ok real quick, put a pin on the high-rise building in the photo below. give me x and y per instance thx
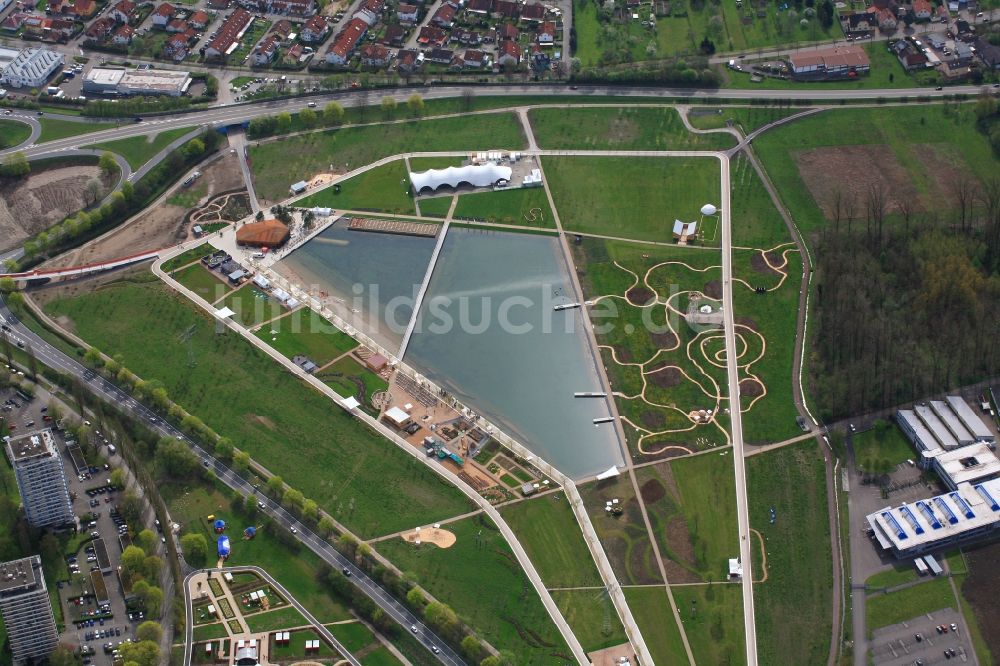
(41, 479)
(27, 611)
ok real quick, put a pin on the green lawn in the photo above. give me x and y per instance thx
(296, 570)
(53, 129)
(744, 118)
(900, 132)
(630, 197)
(425, 163)
(349, 378)
(691, 503)
(208, 284)
(625, 128)
(882, 610)
(548, 530)
(773, 315)
(592, 617)
(713, 621)
(379, 657)
(793, 605)
(305, 332)
(186, 257)
(383, 189)
(436, 206)
(756, 221)
(360, 478)
(480, 579)
(282, 618)
(13, 133)
(138, 150)
(880, 449)
(187, 197)
(351, 147)
(354, 636)
(526, 206)
(651, 609)
(296, 648)
(252, 305)
(207, 632)
(901, 572)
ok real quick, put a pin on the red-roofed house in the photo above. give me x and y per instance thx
(177, 25)
(176, 47)
(431, 36)
(266, 50)
(83, 9)
(510, 54)
(315, 30)
(444, 16)
(123, 35)
(394, 35)
(101, 28)
(123, 11)
(922, 10)
(474, 58)
(163, 14)
(508, 32)
(407, 13)
(340, 50)
(406, 61)
(481, 7)
(504, 9)
(547, 33)
(371, 11)
(229, 34)
(375, 55)
(533, 12)
(199, 19)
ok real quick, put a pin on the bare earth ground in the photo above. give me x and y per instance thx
(42, 199)
(865, 164)
(161, 225)
(982, 589)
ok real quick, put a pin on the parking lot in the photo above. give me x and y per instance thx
(88, 622)
(923, 641)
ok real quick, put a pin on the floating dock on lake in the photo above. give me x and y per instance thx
(399, 227)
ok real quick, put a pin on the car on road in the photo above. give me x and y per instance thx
(347, 572)
(294, 531)
(413, 628)
(435, 649)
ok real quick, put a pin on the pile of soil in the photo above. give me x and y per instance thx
(652, 419)
(750, 388)
(42, 199)
(652, 491)
(665, 340)
(759, 265)
(749, 322)
(713, 290)
(639, 295)
(623, 354)
(982, 589)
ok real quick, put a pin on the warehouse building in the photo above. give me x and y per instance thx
(27, 610)
(31, 68)
(943, 425)
(969, 464)
(147, 82)
(968, 513)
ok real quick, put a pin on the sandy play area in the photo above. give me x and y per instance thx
(441, 538)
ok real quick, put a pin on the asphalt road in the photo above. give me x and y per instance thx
(105, 390)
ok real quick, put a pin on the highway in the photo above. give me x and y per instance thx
(110, 393)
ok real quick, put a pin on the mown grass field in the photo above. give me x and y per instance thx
(361, 479)
(548, 530)
(350, 147)
(650, 607)
(793, 605)
(305, 332)
(882, 610)
(691, 503)
(138, 150)
(526, 206)
(252, 305)
(210, 285)
(190, 505)
(630, 197)
(623, 128)
(592, 617)
(13, 133)
(756, 222)
(282, 618)
(53, 129)
(481, 580)
(349, 378)
(383, 189)
(901, 572)
(880, 449)
(909, 134)
(712, 616)
(436, 206)
(744, 118)
(188, 256)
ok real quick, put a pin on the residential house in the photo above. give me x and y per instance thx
(177, 25)
(480, 7)
(540, 60)
(964, 53)
(282, 29)
(229, 34)
(490, 37)
(176, 47)
(547, 33)
(474, 58)
(375, 55)
(199, 20)
(830, 63)
(264, 53)
(406, 61)
(922, 10)
(163, 14)
(371, 11)
(440, 56)
(510, 54)
(407, 13)
(444, 16)
(123, 35)
(101, 28)
(343, 45)
(394, 35)
(508, 32)
(504, 9)
(314, 30)
(15, 20)
(457, 63)
(466, 37)
(909, 56)
(858, 24)
(123, 11)
(82, 9)
(289, 7)
(884, 17)
(293, 54)
(988, 53)
(431, 36)
(533, 13)
(942, 13)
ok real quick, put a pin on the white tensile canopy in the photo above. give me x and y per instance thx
(480, 175)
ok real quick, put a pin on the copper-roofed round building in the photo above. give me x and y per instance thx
(266, 233)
